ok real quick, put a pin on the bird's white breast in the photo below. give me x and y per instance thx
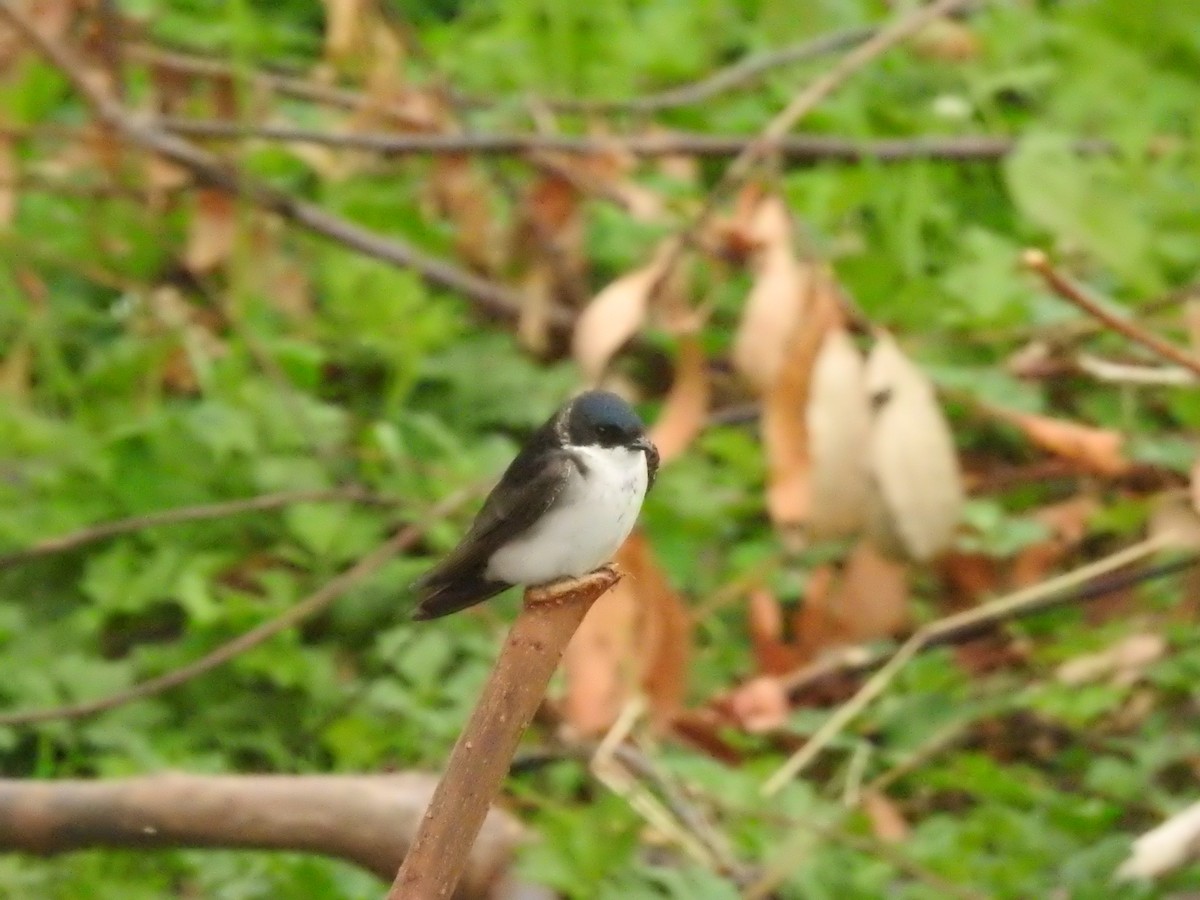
(591, 520)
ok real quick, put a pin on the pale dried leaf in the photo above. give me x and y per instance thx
(686, 407)
(1172, 844)
(211, 231)
(1124, 662)
(839, 421)
(871, 599)
(16, 370)
(776, 300)
(760, 705)
(887, 822)
(462, 197)
(1174, 518)
(785, 416)
(615, 315)
(947, 40)
(344, 20)
(1094, 449)
(917, 492)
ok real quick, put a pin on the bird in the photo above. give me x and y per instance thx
(562, 508)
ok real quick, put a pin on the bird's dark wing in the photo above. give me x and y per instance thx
(527, 491)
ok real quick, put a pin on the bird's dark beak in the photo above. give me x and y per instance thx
(647, 446)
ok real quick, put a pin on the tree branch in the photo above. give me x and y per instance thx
(307, 608)
(490, 297)
(1037, 261)
(484, 750)
(200, 512)
(369, 820)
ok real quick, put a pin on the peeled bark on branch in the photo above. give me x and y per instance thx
(369, 820)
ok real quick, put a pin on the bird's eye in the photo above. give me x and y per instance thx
(608, 432)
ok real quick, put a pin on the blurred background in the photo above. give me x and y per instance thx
(283, 286)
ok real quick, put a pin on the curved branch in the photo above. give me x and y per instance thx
(305, 609)
(369, 820)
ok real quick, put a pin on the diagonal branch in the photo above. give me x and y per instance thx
(490, 297)
(307, 608)
(197, 513)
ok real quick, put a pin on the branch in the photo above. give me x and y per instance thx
(481, 757)
(200, 512)
(369, 820)
(307, 608)
(1037, 261)
(1002, 608)
(794, 148)
(490, 297)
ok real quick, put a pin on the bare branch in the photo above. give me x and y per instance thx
(490, 297)
(369, 820)
(200, 512)
(1037, 261)
(485, 748)
(307, 608)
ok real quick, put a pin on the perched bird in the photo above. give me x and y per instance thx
(561, 509)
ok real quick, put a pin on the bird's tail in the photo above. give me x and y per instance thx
(436, 598)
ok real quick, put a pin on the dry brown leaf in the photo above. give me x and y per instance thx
(760, 705)
(776, 300)
(839, 422)
(1123, 663)
(636, 636)
(686, 407)
(887, 822)
(598, 662)
(9, 173)
(616, 314)
(1096, 450)
(1195, 486)
(917, 492)
(764, 620)
(547, 245)
(785, 417)
(866, 600)
(664, 630)
(16, 370)
(344, 21)
(211, 231)
(947, 40)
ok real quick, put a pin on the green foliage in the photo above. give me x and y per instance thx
(387, 384)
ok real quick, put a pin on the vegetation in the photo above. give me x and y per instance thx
(166, 346)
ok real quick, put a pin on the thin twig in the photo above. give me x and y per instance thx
(200, 512)
(794, 148)
(800, 106)
(972, 618)
(488, 296)
(1037, 261)
(307, 608)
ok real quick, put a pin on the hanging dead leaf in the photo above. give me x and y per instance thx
(211, 231)
(785, 406)
(1096, 450)
(1175, 520)
(616, 314)
(864, 601)
(686, 407)
(637, 636)
(9, 174)
(344, 28)
(760, 705)
(887, 822)
(664, 630)
(839, 422)
(775, 301)
(917, 494)
(598, 662)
